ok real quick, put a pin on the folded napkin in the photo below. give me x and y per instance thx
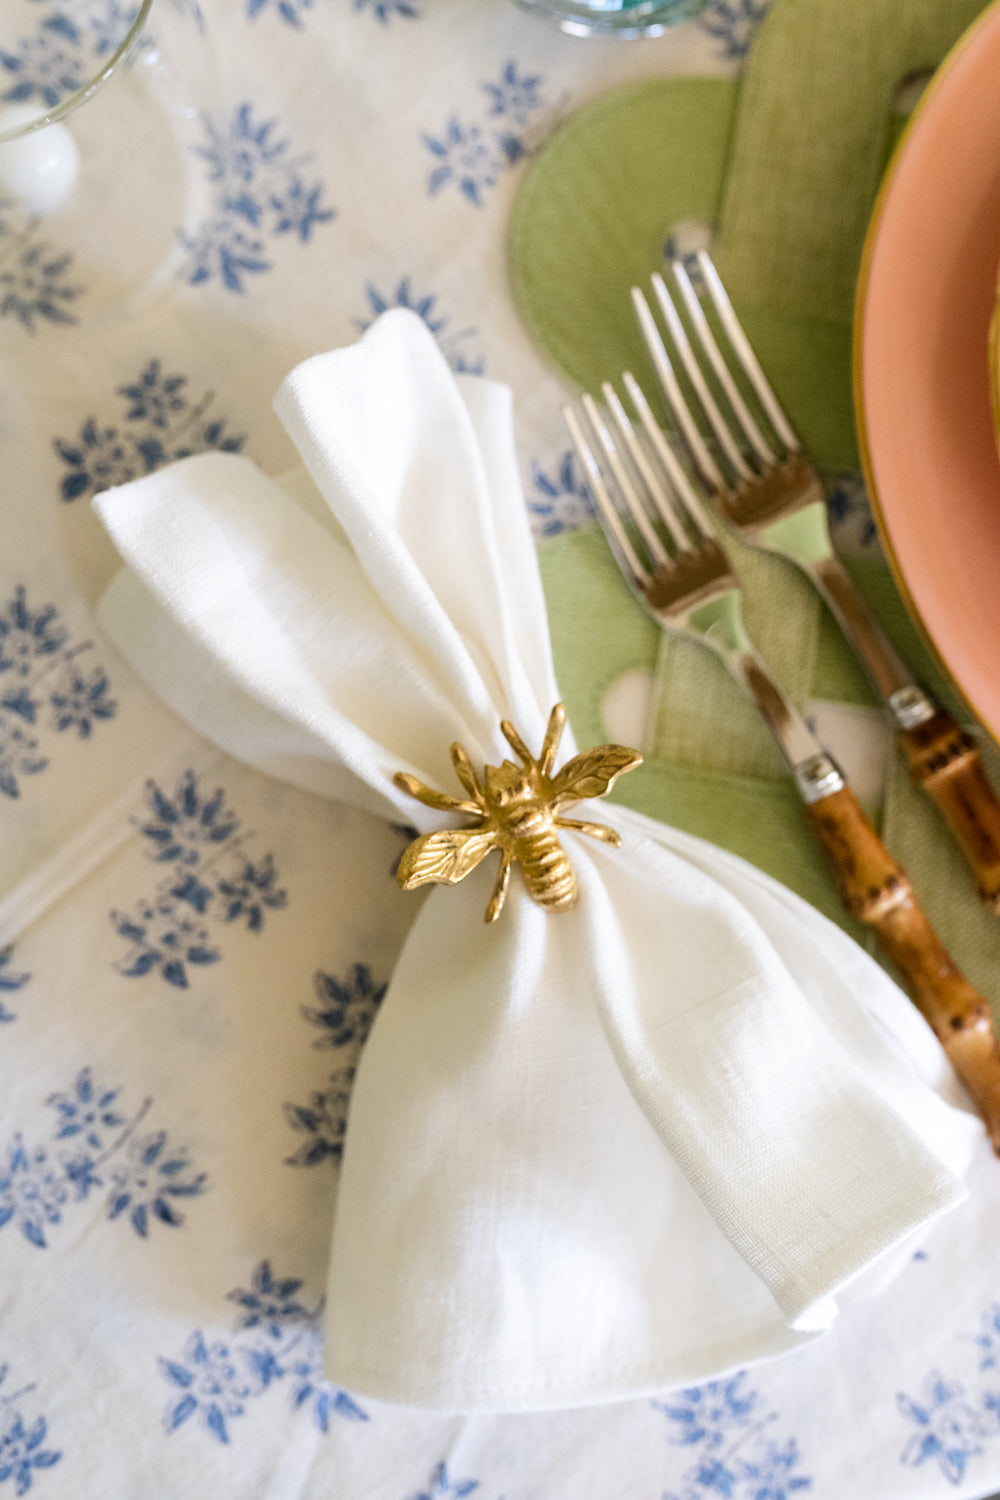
(591, 1154)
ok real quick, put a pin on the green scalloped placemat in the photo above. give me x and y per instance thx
(786, 165)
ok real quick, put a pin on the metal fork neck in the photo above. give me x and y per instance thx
(891, 677)
(719, 623)
(816, 773)
(796, 741)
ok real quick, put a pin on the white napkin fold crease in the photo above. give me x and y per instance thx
(590, 1155)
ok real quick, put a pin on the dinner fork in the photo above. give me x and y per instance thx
(770, 494)
(671, 556)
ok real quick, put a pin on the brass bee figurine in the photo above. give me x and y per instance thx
(516, 808)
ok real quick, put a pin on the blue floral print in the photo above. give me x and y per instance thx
(987, 1341)
(558, 500)
(771, 1476)
(181, 828)
(95, 1145)
(211, 878)
(707, 1415)
(43, 688)
(32, 1192)
(160, 423)
(36, 282)
(48, 65)
(312, 1392)
(269, 1303)
(344, 1017)
(251, 891)
(216, 1379)
(954, 1418)
(22, 1441)
(450, 341)
(733, 1453)
(259, 195)
(949, 1427)
(323, 1121)
(734, 23)
(516, 97)
(81, 699)
(64, 51)
(10, 980)
(465, 158)
(385, 10)
(442, 1485)
(27, 635)
(19, 755)
(473, 156)
(346, 1010)
(212, 1384)
(292, 12)
(86, 1111)
(67, 47)
(147, 1180)
(851, 521)
(163, 937)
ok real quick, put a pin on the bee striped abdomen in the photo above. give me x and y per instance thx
(547, 871)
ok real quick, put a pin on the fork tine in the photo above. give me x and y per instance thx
(683, 488)
(607, 510)
(658, 495)
(658, 554)
(713, 354)
(744, 352)
(678, 333)
(705, 463)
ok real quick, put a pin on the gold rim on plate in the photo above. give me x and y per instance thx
(857, 360)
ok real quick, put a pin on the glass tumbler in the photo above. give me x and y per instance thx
(621, 18)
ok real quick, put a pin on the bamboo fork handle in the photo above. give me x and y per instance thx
(942, 758)
(876, 889)
(944, 761)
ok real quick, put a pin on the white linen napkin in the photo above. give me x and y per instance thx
(589, 1155)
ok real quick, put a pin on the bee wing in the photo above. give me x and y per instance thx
(444, 857)
(593, 773)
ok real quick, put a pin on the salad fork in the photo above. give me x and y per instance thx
(769, 493)
(670, 554)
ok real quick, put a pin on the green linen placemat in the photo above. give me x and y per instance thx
(786, 166)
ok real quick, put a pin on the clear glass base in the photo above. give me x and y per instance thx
(626, 19)
(114, 238)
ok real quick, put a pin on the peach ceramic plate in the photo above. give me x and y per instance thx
(922, 385)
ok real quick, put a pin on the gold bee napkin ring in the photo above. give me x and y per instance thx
(516, 811)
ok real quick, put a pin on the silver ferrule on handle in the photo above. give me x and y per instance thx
(818, 777)
(911, 707)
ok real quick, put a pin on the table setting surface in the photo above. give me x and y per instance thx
(201, 935)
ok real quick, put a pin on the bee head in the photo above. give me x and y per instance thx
(507, 783)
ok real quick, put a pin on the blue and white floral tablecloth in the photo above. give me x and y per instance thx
(190, 955)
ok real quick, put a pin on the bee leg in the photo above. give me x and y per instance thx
(466, 773)
(553, 734)
(595, 830)
(430, 798)
(499, 895)
(516, 743)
